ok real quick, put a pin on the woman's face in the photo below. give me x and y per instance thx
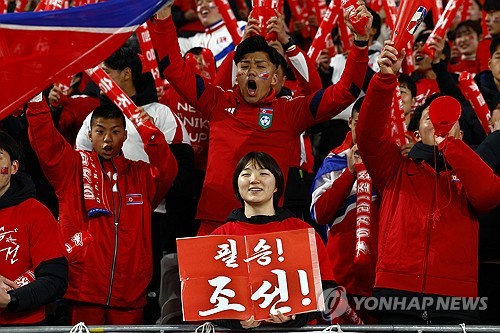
(256, 185)
(466, 41)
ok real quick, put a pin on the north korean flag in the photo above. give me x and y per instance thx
(40, 48)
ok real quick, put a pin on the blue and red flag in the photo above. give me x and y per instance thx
(40, 48)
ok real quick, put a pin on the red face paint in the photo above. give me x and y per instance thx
(4, 170)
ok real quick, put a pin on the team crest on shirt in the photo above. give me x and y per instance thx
(266, 117)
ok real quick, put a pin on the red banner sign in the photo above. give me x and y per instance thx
(249, 275)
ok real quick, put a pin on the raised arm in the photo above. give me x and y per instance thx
(162, 163)
(302, 66)
(191, 87)
(57, 158)
(379, 151)
(327, 103)
(481, 185)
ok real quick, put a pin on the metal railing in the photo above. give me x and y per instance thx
(309, 329)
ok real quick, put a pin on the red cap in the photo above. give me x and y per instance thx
(444, 112)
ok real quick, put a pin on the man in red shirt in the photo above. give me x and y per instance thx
(250, 117)
(33, 269)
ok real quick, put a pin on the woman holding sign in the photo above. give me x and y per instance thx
(258, 184)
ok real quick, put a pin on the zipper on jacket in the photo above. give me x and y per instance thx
(116, 218)
(429, 222)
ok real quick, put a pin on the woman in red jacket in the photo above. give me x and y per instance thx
(258, 184)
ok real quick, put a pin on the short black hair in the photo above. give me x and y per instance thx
(197, 50)
(253, 44)
(474, 25)
(265, 161)
(495, 43)
(376, 22)
(357, 105)
(424, 35)
(8, 144)
(126, 57)
(491, 6)
(408, 82)
(282, 63)
(417, 114)
(107, 111)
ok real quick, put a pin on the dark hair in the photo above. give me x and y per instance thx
(265, 161)
(8, 144)
(253, 44)
(357, 105)
(107, 111)
(126, 57)
(491, 5)
(408, 82)
(376, 23)
(417, 114)
(495, 43)
(424, 35)
(474, 25)
(197, 50)
(479, 4)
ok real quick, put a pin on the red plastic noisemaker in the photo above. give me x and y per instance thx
(444, 112)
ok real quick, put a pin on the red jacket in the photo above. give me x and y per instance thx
(28, 238)
(238, 224)
(428, 228)
(235, 127)
(116, 268)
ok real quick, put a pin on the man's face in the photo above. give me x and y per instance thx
(256, 75)
(466, 41)
(494, 64)
(280, 72)
(426, 130)
(107, 136)
(7, 169)
(493, 23)
(422, 62)
(353, 121)
(475, 12)
(118, 76)
(407, 99)
(208, 13)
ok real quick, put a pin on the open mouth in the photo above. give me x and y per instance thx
(419, 57)
(107, 149)
(252, 87)
(204, 12)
